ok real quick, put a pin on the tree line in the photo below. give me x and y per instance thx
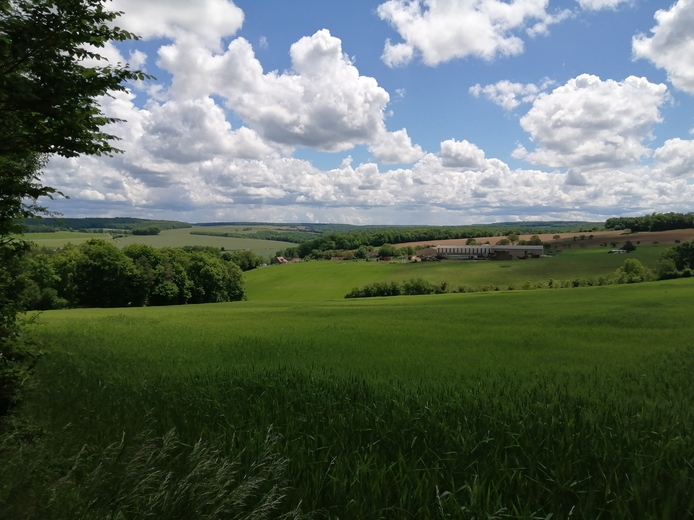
(98, 274)
(652, 222)
(42, 225)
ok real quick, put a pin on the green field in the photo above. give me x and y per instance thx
(533, 404)
(169, 238)
(334, 279)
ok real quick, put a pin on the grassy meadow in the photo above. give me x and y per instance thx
(531, 404)
(333, 279)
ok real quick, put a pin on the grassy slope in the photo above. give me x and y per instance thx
(454, 335)
(332, 280)
(469, 405)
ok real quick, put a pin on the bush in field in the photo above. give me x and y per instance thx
(150, 230)
(633, 271)
(419, 286)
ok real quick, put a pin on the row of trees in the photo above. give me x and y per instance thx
(653, 222)
(97, 274)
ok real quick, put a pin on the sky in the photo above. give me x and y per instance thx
(402, 112)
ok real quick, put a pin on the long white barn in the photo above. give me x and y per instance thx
(482, 251)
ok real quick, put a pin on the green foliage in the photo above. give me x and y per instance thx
(97, 274)
(629, 246)
(653, 222)
(633, 271)
(149, 230)
(246, 259)
(48, 97)
(682, 255)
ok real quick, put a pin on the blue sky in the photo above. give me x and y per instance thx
(396, 112)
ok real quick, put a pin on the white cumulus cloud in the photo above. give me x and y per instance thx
(207, 20)
(322, 103)
(598, 5)
(676, 158)
(671, 46)
(592, 123)
(442, 30)
(461, 154)
(509, 95)
(396, 147)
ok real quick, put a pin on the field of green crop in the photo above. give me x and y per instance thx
(168, 238)
(334, 279)
(533, 404)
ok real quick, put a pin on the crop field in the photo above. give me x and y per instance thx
(533, 404)
(168, 238)
(334, 279)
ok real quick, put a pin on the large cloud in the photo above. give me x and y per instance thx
(676, 158)
(322, 103)
(461, 154)
(208, 20)
(591, 123)
(442, 30)
(671, 47)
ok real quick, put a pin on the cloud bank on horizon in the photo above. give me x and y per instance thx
(412, 112)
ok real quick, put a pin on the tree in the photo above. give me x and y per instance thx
(48, 105)
(512, 237)
(633, 271)
(471, 242)
(629, 246)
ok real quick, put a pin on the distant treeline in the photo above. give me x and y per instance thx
(97, 274)
(379, 236)
(47, 225)
(295, 237)
(653, 222)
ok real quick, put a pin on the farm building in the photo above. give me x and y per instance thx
(480, 252)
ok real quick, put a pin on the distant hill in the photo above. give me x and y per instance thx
(47, 225)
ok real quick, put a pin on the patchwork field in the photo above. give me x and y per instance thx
(534, 404)
(169, 238)
(590, 239)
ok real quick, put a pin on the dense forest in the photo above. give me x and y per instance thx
(98, 274)
(653, 222)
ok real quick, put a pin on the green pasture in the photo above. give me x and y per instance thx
(529, 404)
(333, 279)
(451, 336)
(169, 238)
